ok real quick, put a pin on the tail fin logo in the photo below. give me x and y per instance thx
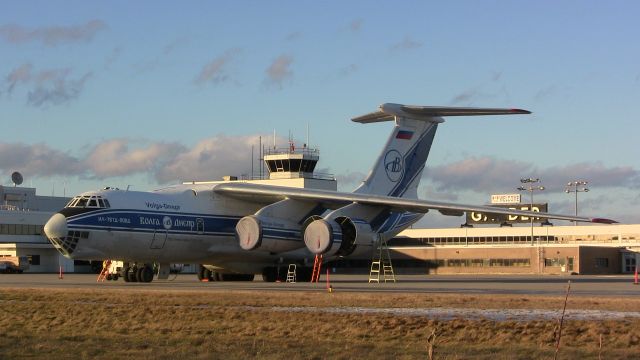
(393, 165)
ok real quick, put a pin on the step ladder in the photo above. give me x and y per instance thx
(317, 264)
(381, 264)
(291, 274)
(105, 270)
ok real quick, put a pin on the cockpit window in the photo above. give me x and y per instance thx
(88, 201)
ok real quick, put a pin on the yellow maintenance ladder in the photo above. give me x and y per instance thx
(381, 263)
(291, 273)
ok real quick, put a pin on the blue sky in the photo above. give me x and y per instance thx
(152, 93)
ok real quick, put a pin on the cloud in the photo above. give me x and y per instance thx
(116, 157)
(432, 194)
(211, 159)
(37, 160)
(406, 44)
(165, 162)
(598, 175)
(57, 90)
(482, 174)
(279, 70)
(351, 179)
(53, 35)
(487, 175)
(50, 86)
(215, 71)
(21, 74)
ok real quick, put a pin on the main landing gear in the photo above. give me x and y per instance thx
(205, 274)
(138, 273)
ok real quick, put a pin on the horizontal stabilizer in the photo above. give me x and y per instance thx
(388, 111)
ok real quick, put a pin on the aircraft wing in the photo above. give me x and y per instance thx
(335, 200)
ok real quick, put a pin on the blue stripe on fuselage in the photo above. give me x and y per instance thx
(124, 220)
(143, 221)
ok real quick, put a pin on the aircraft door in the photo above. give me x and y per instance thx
(159, 238)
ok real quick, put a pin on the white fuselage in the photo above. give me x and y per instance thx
(180, 224)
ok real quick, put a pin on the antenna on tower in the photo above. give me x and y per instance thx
(308, 145)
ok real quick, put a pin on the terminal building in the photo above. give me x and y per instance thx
(583, 249)
(22, 218)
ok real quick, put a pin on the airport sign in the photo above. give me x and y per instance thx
(505, 199)
(489, 218)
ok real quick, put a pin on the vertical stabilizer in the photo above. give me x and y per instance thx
(399, 167)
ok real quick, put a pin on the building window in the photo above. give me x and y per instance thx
(629, 264)
(554, 262)
(602, 262)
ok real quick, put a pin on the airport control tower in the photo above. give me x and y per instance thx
(294, 167)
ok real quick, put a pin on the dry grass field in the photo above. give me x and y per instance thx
(122, 324)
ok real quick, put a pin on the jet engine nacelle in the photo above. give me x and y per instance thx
(341, 236)
(267, 234)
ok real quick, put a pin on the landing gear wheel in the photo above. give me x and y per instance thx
(125, 273)
(145, 274)
(131, 274)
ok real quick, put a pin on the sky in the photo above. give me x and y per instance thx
(151, 93)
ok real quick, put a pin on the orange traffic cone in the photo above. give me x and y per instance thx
(635, 276)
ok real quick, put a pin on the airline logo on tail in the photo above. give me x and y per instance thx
(393, 165)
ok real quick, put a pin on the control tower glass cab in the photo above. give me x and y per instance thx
(289, 164)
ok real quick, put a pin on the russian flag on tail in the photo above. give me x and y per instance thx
(404, 135)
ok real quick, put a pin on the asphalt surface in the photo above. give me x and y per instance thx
(592, 286)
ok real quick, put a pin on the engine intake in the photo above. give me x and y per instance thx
(266, 234)
(339, 237)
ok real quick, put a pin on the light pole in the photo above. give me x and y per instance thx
(576, 187)
(530, 187)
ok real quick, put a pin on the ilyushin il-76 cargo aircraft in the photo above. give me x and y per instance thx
(236, 229)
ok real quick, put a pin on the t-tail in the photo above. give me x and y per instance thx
(399, 167)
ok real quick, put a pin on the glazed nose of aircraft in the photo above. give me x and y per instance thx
(56, 231)
(56, 227)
